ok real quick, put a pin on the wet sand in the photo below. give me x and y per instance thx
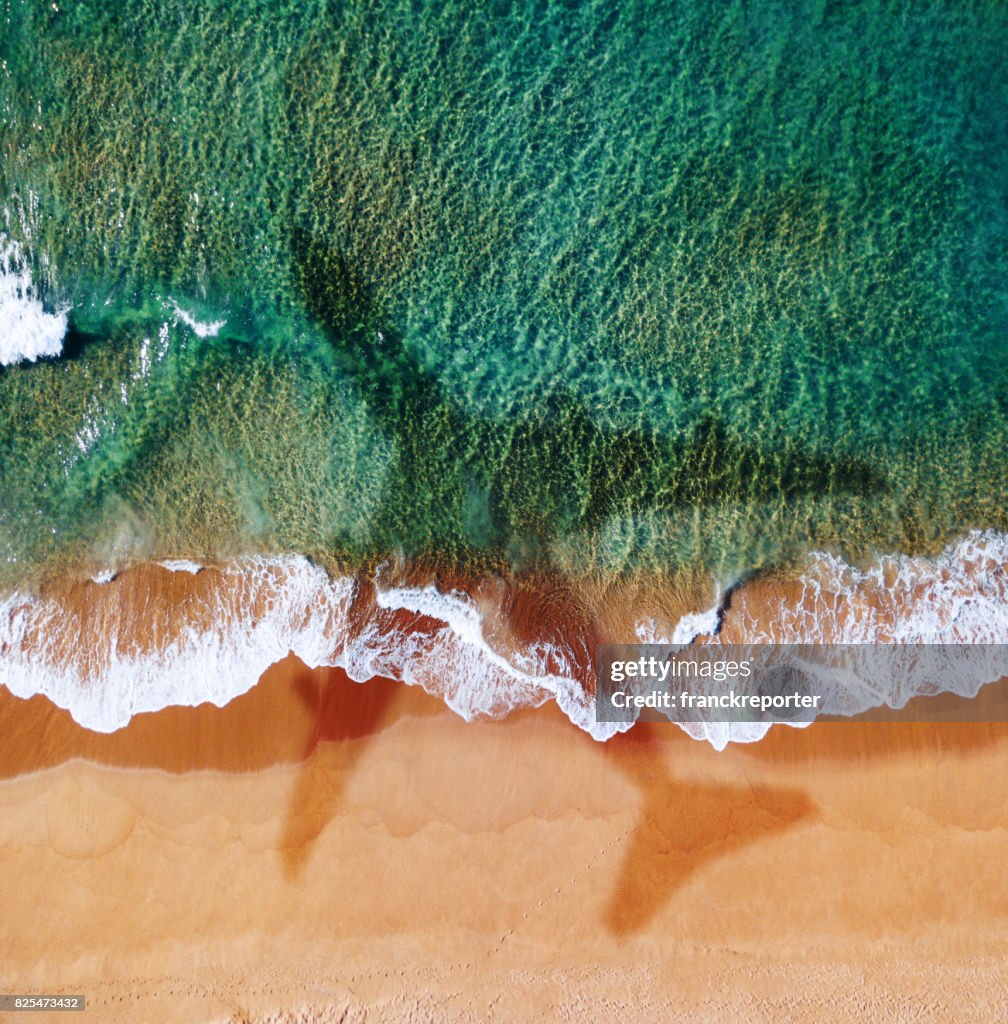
(319, 850)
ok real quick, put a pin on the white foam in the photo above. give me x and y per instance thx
(455, 661)
(262, 610)
(952, 610)
(225, 635)
(903, 627)
(27, 331)
(105, 576)
(690, 627)
(221, 644)
(686, 630)
(181, 565)
(202, 329)
(959, 597)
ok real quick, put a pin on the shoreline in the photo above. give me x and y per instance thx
(156, 636)
(319, 849)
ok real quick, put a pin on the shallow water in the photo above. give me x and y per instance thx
(668, 287)
(178, 634)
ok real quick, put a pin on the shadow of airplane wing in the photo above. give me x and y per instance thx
(553, 468)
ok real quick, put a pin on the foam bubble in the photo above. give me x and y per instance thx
(950, 611)
(954, 608)
(221, 641)
(27, 331)
(686, 630)
(455, 661)
(959, 597)
(181, 565)
(202, 329)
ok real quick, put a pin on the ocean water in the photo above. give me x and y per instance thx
(590, 289)
(575, 285)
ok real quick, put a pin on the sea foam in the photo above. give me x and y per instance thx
(201, 328)
(455, 661)
(239, 619)
(181, 565)
(27, 331)
(959, 597)
(215, 647)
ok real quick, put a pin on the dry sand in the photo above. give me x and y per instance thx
(324, 851)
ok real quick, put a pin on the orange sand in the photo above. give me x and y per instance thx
(322, 851)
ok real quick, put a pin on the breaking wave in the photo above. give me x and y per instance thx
(160, 635)
(27, 331)
(202, 329)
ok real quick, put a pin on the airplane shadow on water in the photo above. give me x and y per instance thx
(555, 467)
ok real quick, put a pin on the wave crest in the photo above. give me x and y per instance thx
(158, 635)
(27, 331)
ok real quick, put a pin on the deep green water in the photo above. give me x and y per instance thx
(585, 285)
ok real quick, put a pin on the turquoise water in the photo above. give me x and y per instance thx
(577, 286)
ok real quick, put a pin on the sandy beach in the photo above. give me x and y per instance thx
(319, 850)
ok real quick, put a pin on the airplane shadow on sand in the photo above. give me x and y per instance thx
(344, 712)
(684, 825)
